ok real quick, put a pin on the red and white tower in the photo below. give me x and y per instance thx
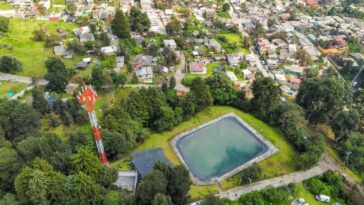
(88, 97)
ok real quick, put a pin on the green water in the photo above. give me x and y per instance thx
(219, 148)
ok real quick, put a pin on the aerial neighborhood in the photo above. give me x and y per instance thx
(163, 102)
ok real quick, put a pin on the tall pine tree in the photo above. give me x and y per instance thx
(120, 25)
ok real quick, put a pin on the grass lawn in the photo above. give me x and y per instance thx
(4, 6)
(62, 2)
(32, 54)
(6, 87)
(232, 39)
(223, 14)
(281, 163)
(302, 192)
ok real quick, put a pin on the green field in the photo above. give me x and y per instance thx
(302, 192)
(32, 54)
(279, 164)
(4, 6)
(232, 39)
(6, 87)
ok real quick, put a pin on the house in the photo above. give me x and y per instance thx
(81, 65)
(84, 37)
(127, 180)
(295, 83)
(234, 59)
(141, 61)
(214, 44)
(313, 3)
(81, 30)
(292, 49)
(169, 12)
(119, 63)
(109, 50)
(197, 68)
(145, 160)
(247, 74)
(281, 79)
(60, 50)
(71, 88)
(144, 74)
(170, 43)
(231, 75)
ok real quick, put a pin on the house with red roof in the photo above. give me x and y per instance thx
(313, 3)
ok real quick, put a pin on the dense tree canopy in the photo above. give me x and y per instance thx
(57, 75)
(120, 25)
(266, 97)
(139, 20)
(322, 99)
(10, 64)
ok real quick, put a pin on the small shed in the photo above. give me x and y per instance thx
(127, 180)
(145, 160)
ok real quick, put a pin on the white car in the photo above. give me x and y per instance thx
(322, 198)
(300, 201)
(196, 203)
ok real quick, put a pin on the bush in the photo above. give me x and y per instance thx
(10, 64)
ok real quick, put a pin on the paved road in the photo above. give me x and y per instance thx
(326, 163)
(179, 75)
(295, 177)
(21, 79)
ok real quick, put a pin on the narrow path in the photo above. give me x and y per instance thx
(179, 75)
(326, 163)
(21, 79)
(295, 177)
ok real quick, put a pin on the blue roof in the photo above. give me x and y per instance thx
(144, 160)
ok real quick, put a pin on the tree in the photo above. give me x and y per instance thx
(55, 151)
(29, 148)
(116, 143)
(118, 198)
(4, 24)
(40, 184)
(172, 82)
(39, 103)
(18, 120)
(266, 97)
(303, 57)
(119, 79)
(139, 21)
(57, 75)
(83, 190)
(10, 64)
(179, 183)
(160, 199)
(71, 7)
(10, 166)
(251, 174)
(78, 138)
(120, 25)
(212, 200)
(345, 122)
(87, 162)
(151, 185)
(98, 77)
(222, 89)
(170, 57)
(226, 7)
(10, 199)
(202, 94)
(322, 99)
(174, 27)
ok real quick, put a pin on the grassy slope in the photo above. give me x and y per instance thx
(6, 87)
(32, 54)
(232, 38)
(302, 192)
(279, 164)
(4, 6)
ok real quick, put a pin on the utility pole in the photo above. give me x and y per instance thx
(88, 97)
(347, 157)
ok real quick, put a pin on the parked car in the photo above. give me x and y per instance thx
(196, 203)
(336, 203)
(322, 198)
(300, 201)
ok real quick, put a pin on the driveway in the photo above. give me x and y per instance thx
(179, 75)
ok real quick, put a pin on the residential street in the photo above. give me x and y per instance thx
(179, 75)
